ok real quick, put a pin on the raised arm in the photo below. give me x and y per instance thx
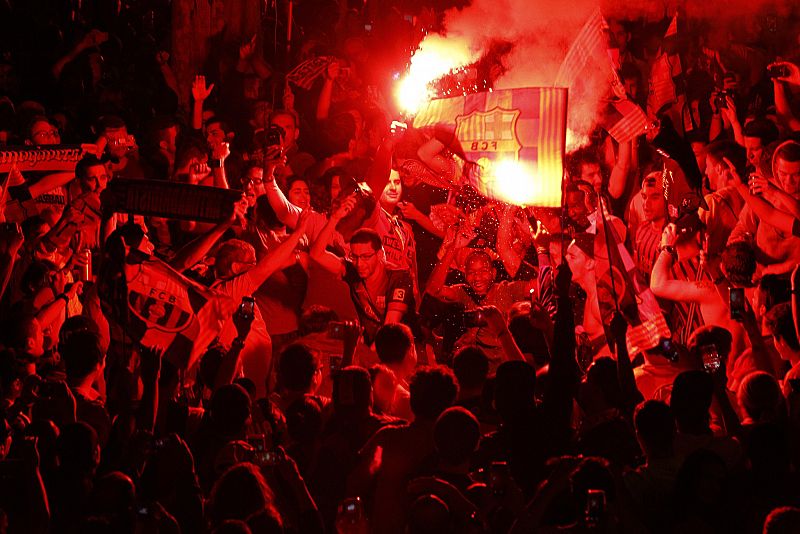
(782, 105)
(619, 174)
(661, 282)
(277, 258)
(436, 287)
(324, 102)
(319, 253)
(505, 235)
(200, 92)
(285, 211)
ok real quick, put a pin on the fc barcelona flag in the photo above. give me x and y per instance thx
(516, 136)
(619, 279)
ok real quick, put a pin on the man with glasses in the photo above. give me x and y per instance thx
(381, 295)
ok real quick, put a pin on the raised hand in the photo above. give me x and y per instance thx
(199, 89)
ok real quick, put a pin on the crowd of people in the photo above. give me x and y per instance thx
(364, 343)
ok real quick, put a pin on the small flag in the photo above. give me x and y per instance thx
(624, 120)
(628, 291)
(589, 47)
(666, 75)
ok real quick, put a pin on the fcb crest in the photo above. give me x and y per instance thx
(491, 134)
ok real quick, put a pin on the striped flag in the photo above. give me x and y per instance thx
(304, 74)
(666, 85)
(516, 136)
(624, 120)
(589, 47)
(633, 296)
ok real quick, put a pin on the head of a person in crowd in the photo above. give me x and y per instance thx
(191, 165)
(688, 228)
(253, 183)
(514, 390)
(38, 276)
(164, 132)
(316, 319)
(428, 514)
(384, 387)
(620, 35)
(433, 389)
(581, 201)
(115, 131)
(78, 449)
(229, 411)
(366, 252)
(701, 484)
(758, 134)
(655, 429)
(654, 204)
(739, 263)
(580, 258)
(326, 188)
(392, 192)
(691, 401)
(304, 421)
(34, 227)
(599, 391)
(717, 171)
(290, 123)
(259, 114)
(584, 164)
(394, 343)
(471, 367)
(761, 398)
(593, 473)
(297, 192)
(29, 341)
(772, 290)
(352, 392)
(240, 492)
(456, 435)
(113, 495)
(218, 131)
(128, 244)
(92, 174)
(631, 78)
(479, 271)
(233, 258)
(42, 131)
(786, 167)
(84, 359)
(782, 520)
(531, 341)
(780, 323)
(12, 375)
(710, 337)
(299, 370)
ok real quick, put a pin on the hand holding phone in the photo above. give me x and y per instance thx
(736, 303)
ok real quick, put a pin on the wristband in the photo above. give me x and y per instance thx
(63, 296)
(215, 163)
(237, 343)
(668, 248)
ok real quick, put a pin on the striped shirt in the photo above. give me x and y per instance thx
(687, 270)
(645, 249)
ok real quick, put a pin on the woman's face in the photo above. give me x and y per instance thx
(299, 195)
(336, 188)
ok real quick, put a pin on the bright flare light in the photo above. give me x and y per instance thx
(435, 57)
(515, 182)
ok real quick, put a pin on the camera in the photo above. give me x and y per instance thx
(351, 511)
(475, 319)
(595, 506)
(336, 330)
(720, 101)
(274, 136)
(778, 71)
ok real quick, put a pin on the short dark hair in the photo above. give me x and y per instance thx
(288, 113)
(352, 390)
(392, 342)
(731, 150)
(471, 367)
(316, 318)
(366, 236)
(763, 128)
(577, 159)
(655, 424)
(89, 160)
(433, 389)
(296, 367)
(82, 354)
(788, 151)
(109, 122)
(775, 289)
(780, 324)
(690, 400)
(456, 435)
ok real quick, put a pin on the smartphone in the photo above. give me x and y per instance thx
(711, 358)
(351, 511)
(736, 303)
(499, 478)
(595, 506)
(336, 330)
(778, 71)
(248, 307)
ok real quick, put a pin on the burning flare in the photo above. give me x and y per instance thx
(435, 57)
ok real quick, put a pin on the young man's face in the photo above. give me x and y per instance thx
(287, 123)
(590, 172)
(479, 273)
(215, 134)
(579, 263)
(788, 175)
(96, 179)
(392, 191)
(715, 177)
(253, 185)
(365, 258)
(44, 133)
(654, 205)
(576, 207)
(755, 150)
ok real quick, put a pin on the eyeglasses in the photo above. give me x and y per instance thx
(356, 258)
